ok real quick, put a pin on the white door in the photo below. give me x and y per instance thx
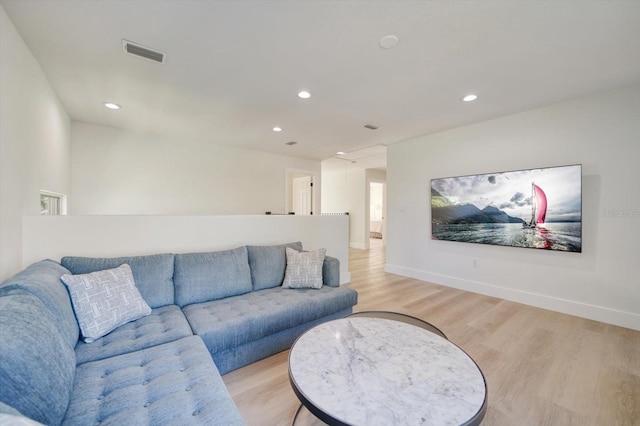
(302, 195)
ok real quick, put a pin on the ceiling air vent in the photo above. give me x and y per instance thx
(143, 52)
(291, 143)
(371, 126)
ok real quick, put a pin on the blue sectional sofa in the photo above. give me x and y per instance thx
(210, 313)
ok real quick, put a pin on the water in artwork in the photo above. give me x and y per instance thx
(563, 236)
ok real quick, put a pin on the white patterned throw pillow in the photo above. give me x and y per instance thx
(105, 300)
(304, 268)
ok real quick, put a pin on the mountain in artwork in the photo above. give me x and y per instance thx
(443, 211)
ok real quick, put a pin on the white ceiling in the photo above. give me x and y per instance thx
(373, 157)
(234, 68)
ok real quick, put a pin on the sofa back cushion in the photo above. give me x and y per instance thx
(201, 277)
(152, 274)
(37, 365)
(42, 279)
(268, 264)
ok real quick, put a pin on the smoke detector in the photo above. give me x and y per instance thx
(136, 49)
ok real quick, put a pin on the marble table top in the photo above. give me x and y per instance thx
(373, 371)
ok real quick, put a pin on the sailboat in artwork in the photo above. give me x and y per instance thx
(538, 207)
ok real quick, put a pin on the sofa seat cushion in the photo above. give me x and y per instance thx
(153, 274)
(256, 350)
(37, 365)
(176, 383)
(164, 325)
(200, 277)
(231, 322)
(42, 279)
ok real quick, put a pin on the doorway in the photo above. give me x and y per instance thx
(377, 212)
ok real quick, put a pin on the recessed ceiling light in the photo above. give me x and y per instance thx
(304, 94)
(340, 153)
(111, 105)
(277, 129)
(389, 41)
(470, 98)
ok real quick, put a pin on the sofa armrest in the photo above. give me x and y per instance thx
(331, 271)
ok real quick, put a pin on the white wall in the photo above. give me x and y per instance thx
(34, 142)
(52, 237)
(601, 132)
(119, 172)
(344, 189)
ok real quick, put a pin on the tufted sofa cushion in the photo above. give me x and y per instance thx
(153, 274)
(42, 279)
(37, 365)
(200, 277)
(233, 321)
(164, 325)
(171, 384)
(268, 264)
(250, 352)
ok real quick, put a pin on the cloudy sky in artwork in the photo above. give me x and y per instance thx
(511, 191)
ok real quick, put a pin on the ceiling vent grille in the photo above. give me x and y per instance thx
(371, 126)
(143, 52)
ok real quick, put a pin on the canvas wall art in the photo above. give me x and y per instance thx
(535, 208)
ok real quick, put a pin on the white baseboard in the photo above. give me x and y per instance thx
(565, 306)
(345, 277)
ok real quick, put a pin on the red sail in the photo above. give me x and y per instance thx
(542, 204)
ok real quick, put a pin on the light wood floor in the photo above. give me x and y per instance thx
(541, 367)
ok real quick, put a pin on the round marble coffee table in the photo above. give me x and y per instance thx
(376, 371)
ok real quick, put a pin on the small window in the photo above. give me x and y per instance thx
(52, 203)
